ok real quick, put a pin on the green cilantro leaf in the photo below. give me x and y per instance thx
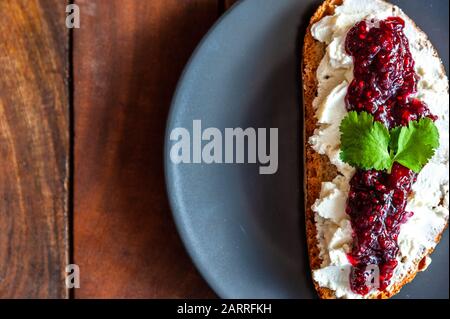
(364, 143)
(415, 144)
(368, 144)
(395, 133)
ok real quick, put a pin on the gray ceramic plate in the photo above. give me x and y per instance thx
(245, 231)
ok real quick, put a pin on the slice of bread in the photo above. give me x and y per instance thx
(318, 168)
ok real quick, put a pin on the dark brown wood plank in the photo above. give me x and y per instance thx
(34, 145)
(128, 56)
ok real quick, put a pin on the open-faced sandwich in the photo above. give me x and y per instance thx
(377, 158)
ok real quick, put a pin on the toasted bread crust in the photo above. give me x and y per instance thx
(317, 167)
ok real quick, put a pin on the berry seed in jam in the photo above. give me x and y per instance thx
(384, 80)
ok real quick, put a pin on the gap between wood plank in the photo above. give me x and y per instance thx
(71, 165)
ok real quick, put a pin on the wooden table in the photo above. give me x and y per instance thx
(82, 119)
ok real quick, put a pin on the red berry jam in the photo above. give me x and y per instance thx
(384, 80)
(384, 73)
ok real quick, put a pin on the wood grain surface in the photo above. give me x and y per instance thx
(128, 56)
(34, 144)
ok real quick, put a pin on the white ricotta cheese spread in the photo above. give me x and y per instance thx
(429, 197)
